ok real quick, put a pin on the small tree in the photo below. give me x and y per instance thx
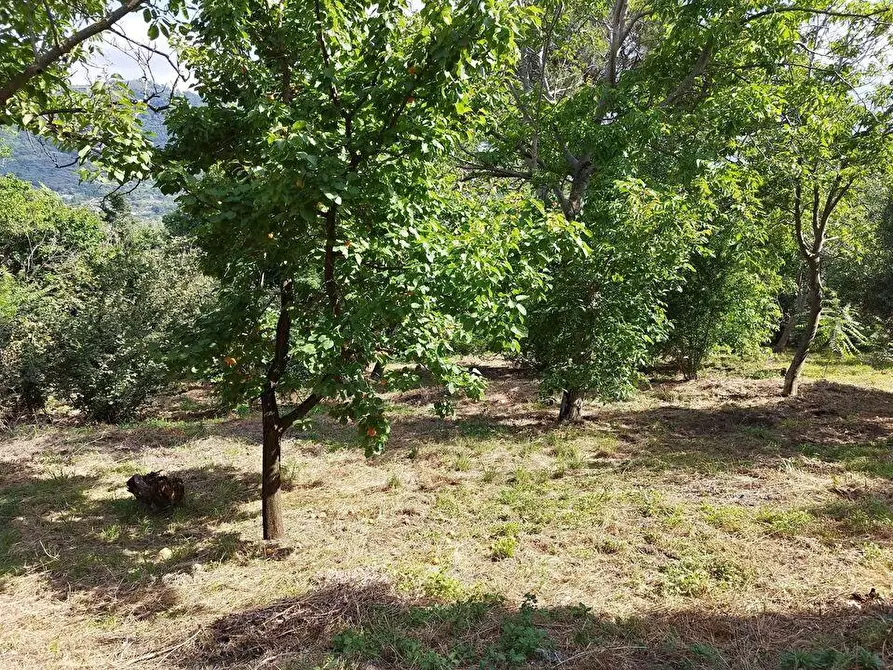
(88, 309)
(43, 244)
(603, 312)
(114, 345)
(308, 180)
(835, 114)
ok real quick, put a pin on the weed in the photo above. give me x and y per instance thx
(650, 503)
(831, 659)
(783, 522)
(437, 585)
(870, 458)
(503, 547)
(462, 463)
(393, 482)
(863, 516)
(519, 640)
(110, 533)
(568, 455)
(696, 576)
(609, 545)
(761, 433)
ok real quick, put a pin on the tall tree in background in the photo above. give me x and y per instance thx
(614, 93)
(834, 127)
(308, 178)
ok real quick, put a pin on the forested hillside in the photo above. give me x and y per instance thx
(40, 162)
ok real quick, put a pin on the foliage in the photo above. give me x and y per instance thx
(88, 308)
(728, 298)
(41, 48)
(113, 350)
(41, 242)
(840, 331)
(834, 132)
(519, 641)
(595, 326)
(41, 162)
(831, 659)
(311, 182)
(609, 96)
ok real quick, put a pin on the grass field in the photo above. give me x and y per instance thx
(709, 524)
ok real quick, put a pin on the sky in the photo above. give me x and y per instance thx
(117, 55)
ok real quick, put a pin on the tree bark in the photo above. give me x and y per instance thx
(571, 410)
(377, 372)
(813, 255)
(271, 503)
(815, 295)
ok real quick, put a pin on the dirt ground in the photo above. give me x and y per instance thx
(708, 524)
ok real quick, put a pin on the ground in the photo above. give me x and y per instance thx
(708, 524)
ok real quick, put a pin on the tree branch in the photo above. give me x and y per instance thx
(44, 60)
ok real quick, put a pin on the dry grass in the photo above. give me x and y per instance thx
(710, 524)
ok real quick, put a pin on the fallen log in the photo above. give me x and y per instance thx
(156, 491)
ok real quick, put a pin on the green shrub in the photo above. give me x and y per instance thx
(114, 347)
(729, 295)
(89, 310)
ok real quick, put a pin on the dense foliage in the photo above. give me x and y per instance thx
(89, 308)
(311, 178)
(732, 280)
(373, 188)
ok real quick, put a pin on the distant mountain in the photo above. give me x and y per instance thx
(41, 163)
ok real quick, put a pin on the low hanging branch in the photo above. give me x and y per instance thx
(44, 60)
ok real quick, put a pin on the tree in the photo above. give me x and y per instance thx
(42, 45)
(115, 345)
(308, 179)
(728, 298)
(834, 129)
(616, 92)
(42, 243)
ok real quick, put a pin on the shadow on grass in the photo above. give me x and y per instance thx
(87, 535)
(834, 423)
(366, 625)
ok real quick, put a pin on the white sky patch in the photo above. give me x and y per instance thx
(118, 56)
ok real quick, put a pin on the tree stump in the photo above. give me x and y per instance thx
(156, 491)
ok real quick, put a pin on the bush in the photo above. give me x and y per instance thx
(728, 298)
(113, 348)
(42, 246)
(594, 328)
(88, 309)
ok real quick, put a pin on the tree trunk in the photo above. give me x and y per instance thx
(271, 503)
(782, 342)
(571, 410)
(792, 377)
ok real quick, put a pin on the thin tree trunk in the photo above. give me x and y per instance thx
(271, 503)
(377, 372)
(571, 410)
(792, 377)
(812, 254)
(782, 343)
